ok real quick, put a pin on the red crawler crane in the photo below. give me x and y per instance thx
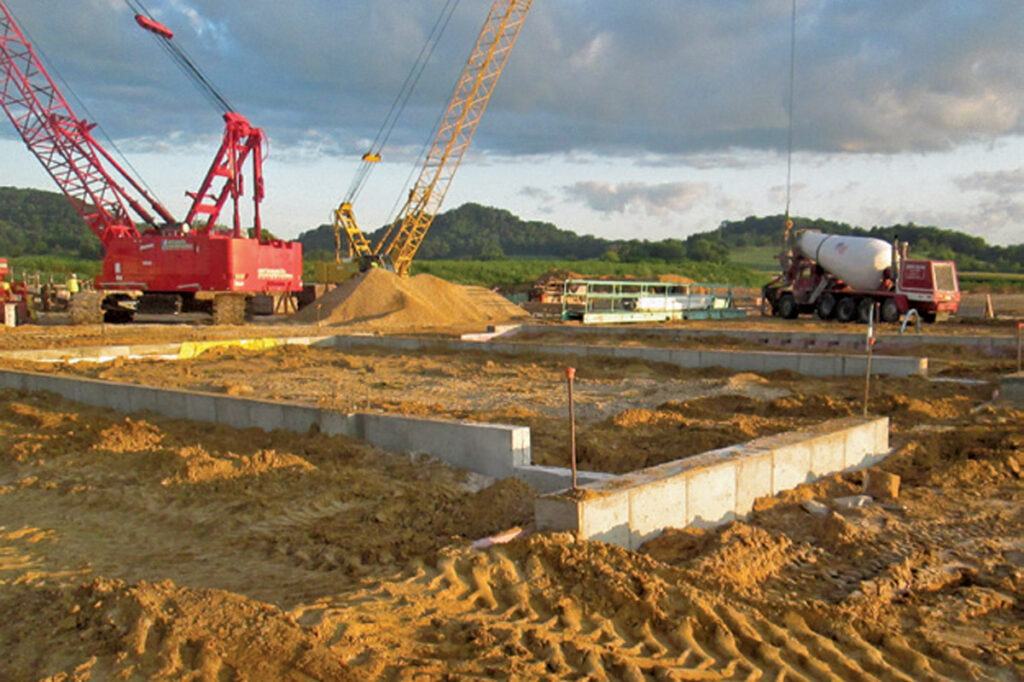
(153, 263)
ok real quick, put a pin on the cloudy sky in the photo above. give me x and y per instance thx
(645, 119)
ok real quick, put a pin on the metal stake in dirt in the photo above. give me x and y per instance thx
(570, 374)
(870, 348)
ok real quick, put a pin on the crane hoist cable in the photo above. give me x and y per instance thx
(788, 225)
(179, 56)
(373, 156)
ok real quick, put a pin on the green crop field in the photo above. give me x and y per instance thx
(759, 258)
(991, 282)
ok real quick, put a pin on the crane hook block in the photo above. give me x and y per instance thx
(371, 157)
(154, 26)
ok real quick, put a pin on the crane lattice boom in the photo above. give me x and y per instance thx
(472, 93)
(64, 143)
(467, 105)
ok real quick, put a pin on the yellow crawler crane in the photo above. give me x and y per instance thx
(403, 238)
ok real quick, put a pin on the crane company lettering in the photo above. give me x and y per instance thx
(273, 273)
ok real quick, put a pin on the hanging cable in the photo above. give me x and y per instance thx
(789, 141)
(181, 58)
(373, 156)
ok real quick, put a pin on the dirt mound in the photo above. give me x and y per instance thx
(675, 279)
(383, 301)
(736, 555)
(109, 630)
(556, 277)
(962, 456)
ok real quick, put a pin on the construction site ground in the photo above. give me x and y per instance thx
(145, 548)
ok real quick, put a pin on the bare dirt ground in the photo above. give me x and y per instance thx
(147, 548)
(52, 330)
(630, 414)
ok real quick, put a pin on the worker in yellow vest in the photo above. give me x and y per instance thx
(73, 286)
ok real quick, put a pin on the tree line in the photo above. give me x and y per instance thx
(40, 223)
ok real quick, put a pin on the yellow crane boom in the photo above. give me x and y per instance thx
(472, 93)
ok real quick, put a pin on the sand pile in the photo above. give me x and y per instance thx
(674, 278)
(383, 301)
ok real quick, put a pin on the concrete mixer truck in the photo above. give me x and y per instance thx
(842, 277)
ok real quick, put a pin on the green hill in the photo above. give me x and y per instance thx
(37, 223)
(970, 253)
(477, 232)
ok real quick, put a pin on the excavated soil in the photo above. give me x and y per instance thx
(146, 548)
(382, 301)
(630, 414)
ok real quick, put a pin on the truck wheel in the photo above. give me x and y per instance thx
(846, 309)
(826, 307)
(890, 311)
(788, 308)
(864, 307)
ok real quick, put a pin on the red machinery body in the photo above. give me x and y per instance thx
(14, 298)
(931, 288)
(182, 262)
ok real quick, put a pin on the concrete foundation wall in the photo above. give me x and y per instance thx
(496, 450)
(549, 479)
(713, 487)
(828, 341)
(812, 364)
(1011, 387)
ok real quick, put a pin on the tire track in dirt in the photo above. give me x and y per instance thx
(520, 606)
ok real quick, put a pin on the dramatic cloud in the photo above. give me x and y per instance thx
(602, 76)
(636, 197)
(1005, 184)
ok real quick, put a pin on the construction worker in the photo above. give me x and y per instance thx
(73, 286)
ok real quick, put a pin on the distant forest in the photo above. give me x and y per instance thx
(39, 223)
(475, 232)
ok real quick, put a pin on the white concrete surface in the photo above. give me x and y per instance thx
(713, 487)
(491, 449)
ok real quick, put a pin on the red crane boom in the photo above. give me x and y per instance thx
(167, 266)
(64, 143)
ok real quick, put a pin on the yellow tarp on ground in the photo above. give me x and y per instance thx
(191, 349)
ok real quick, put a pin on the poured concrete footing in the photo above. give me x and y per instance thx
(496, 450)
(811, 364)
(714, 487)
(830, 341)
(1011, 387)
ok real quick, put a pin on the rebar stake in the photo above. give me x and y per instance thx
(870, 348)
(570, 374)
